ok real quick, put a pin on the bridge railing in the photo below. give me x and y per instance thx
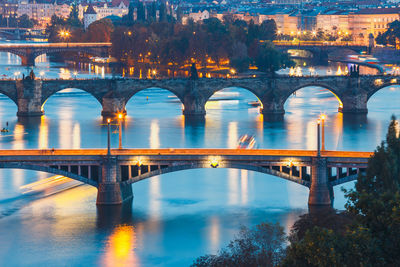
(316, 43)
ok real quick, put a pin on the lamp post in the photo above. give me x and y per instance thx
(322, 118)
(120, 116)
(318, 138)
(64, 34)
(108, 137)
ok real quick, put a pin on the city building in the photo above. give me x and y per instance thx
(89, 16)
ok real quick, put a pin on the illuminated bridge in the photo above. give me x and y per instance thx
(321, 50)
(29, 51)
(352, 93)
(113, 174)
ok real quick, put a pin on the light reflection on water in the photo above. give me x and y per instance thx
(177, 216)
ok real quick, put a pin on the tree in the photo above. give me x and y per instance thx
(25, 22)
(321, 247)
(73, 18)
(100, 31)
(269, 59)
(375, 201)
(262, 246)
(239, 59)
(268, 30)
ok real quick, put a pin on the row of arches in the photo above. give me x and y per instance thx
(234, 94)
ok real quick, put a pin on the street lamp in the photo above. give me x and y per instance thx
(75, 73)
(41, 74)
(318, 138)
(120, 116)
(322, 119)
(108, 137)
(64, 34)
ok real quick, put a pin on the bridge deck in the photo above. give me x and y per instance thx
(185, 151)
(53, 45)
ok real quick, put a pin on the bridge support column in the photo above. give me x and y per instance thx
(271, 108)
(320, 190)
(28, 60)
(354, 103)
(111, 191)
(113, 106)
(194, 104)
(29, 98)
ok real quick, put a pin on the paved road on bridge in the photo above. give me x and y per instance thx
(186, 152)
(54, 45)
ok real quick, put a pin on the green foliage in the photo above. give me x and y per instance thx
(269, 59)
(178, 45)
(390, 35)
(23, 21)
(73, 18)
(262, 246)
(375, 201)
(100, 31)
(321, 247)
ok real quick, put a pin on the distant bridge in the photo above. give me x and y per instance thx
(321, 49)
(29, 51)
(113, 174)
(113, 94)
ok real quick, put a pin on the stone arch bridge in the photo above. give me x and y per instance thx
(113, 94)
(114, 173)
(28, 52)
(321, 50)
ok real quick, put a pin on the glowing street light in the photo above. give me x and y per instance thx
(64, 34)
(41, 74)
(108, 137)
(318, 138)
(214, 163)
(120, 116)
(322, 118)
(75, 74)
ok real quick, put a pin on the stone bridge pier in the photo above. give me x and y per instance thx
(28, 59)
(29, 98)
(112, 106)
(321, 192)
(110, 189)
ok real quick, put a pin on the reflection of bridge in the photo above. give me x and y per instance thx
(113, 175)
(113, 94)
(29, 51)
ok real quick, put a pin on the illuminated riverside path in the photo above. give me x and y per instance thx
(29, 51)
(352, 93)
(113, 174)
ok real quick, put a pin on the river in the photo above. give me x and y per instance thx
(176, 217)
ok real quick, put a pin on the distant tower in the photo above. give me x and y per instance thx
(157, 15)
(89, 16)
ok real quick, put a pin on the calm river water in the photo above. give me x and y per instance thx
(176, 217)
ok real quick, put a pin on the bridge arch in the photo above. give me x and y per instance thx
(320, 85)
(154, 98)
(209, 96)
(395, 82)
(40, 168)
(9, 95)
(226, 165)
(171, 90)
(391, 91)
(54, 91)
